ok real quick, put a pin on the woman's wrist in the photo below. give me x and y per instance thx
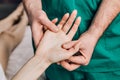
(41, 59)
(34, 68)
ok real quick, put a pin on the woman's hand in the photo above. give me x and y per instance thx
(50, 49)
(50, 46)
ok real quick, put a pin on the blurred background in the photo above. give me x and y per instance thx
(7, 6)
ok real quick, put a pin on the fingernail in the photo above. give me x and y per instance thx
(79, 18)
(67, 14)
(75, 11)
(56, 19)
(58, 63)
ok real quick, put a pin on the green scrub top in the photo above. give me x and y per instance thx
(106, 56)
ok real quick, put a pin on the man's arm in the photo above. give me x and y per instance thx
(38, 19)
(31, 6)
(107, 11)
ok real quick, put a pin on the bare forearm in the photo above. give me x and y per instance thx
(31, 6)
(106, 13)
(32, 70)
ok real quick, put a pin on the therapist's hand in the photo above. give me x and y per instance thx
(50, 46)
(86, 44)
(39, 19)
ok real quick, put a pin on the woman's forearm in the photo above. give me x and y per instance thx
(107, 11)
(32, 69)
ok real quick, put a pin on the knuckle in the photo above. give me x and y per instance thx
(70, 21)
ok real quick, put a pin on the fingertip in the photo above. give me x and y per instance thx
(58, 63)
(55, 28)
(75, 11)
(79, 18)
(56, 19)
(67, 14)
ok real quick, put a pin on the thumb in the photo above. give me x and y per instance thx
(37, 33)
(69, 45)
(53, 21)
(46, 22)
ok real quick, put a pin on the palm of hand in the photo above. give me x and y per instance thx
(51, 43)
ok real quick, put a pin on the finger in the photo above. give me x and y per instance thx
(74, 28)
(53, 21)
(46, 22)
(79, 60)
(68, 66)
(72, 51)
(63, 21)
(70, 44)
(58, 63)
(37, 32)
(70, 21)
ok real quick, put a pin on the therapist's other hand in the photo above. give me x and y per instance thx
(50, 46)
(86, 44)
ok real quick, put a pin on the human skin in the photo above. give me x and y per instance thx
(45, 55)
(38, 19)
(9, 32)
(87, 41)
(50, 49)
(107, 14)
